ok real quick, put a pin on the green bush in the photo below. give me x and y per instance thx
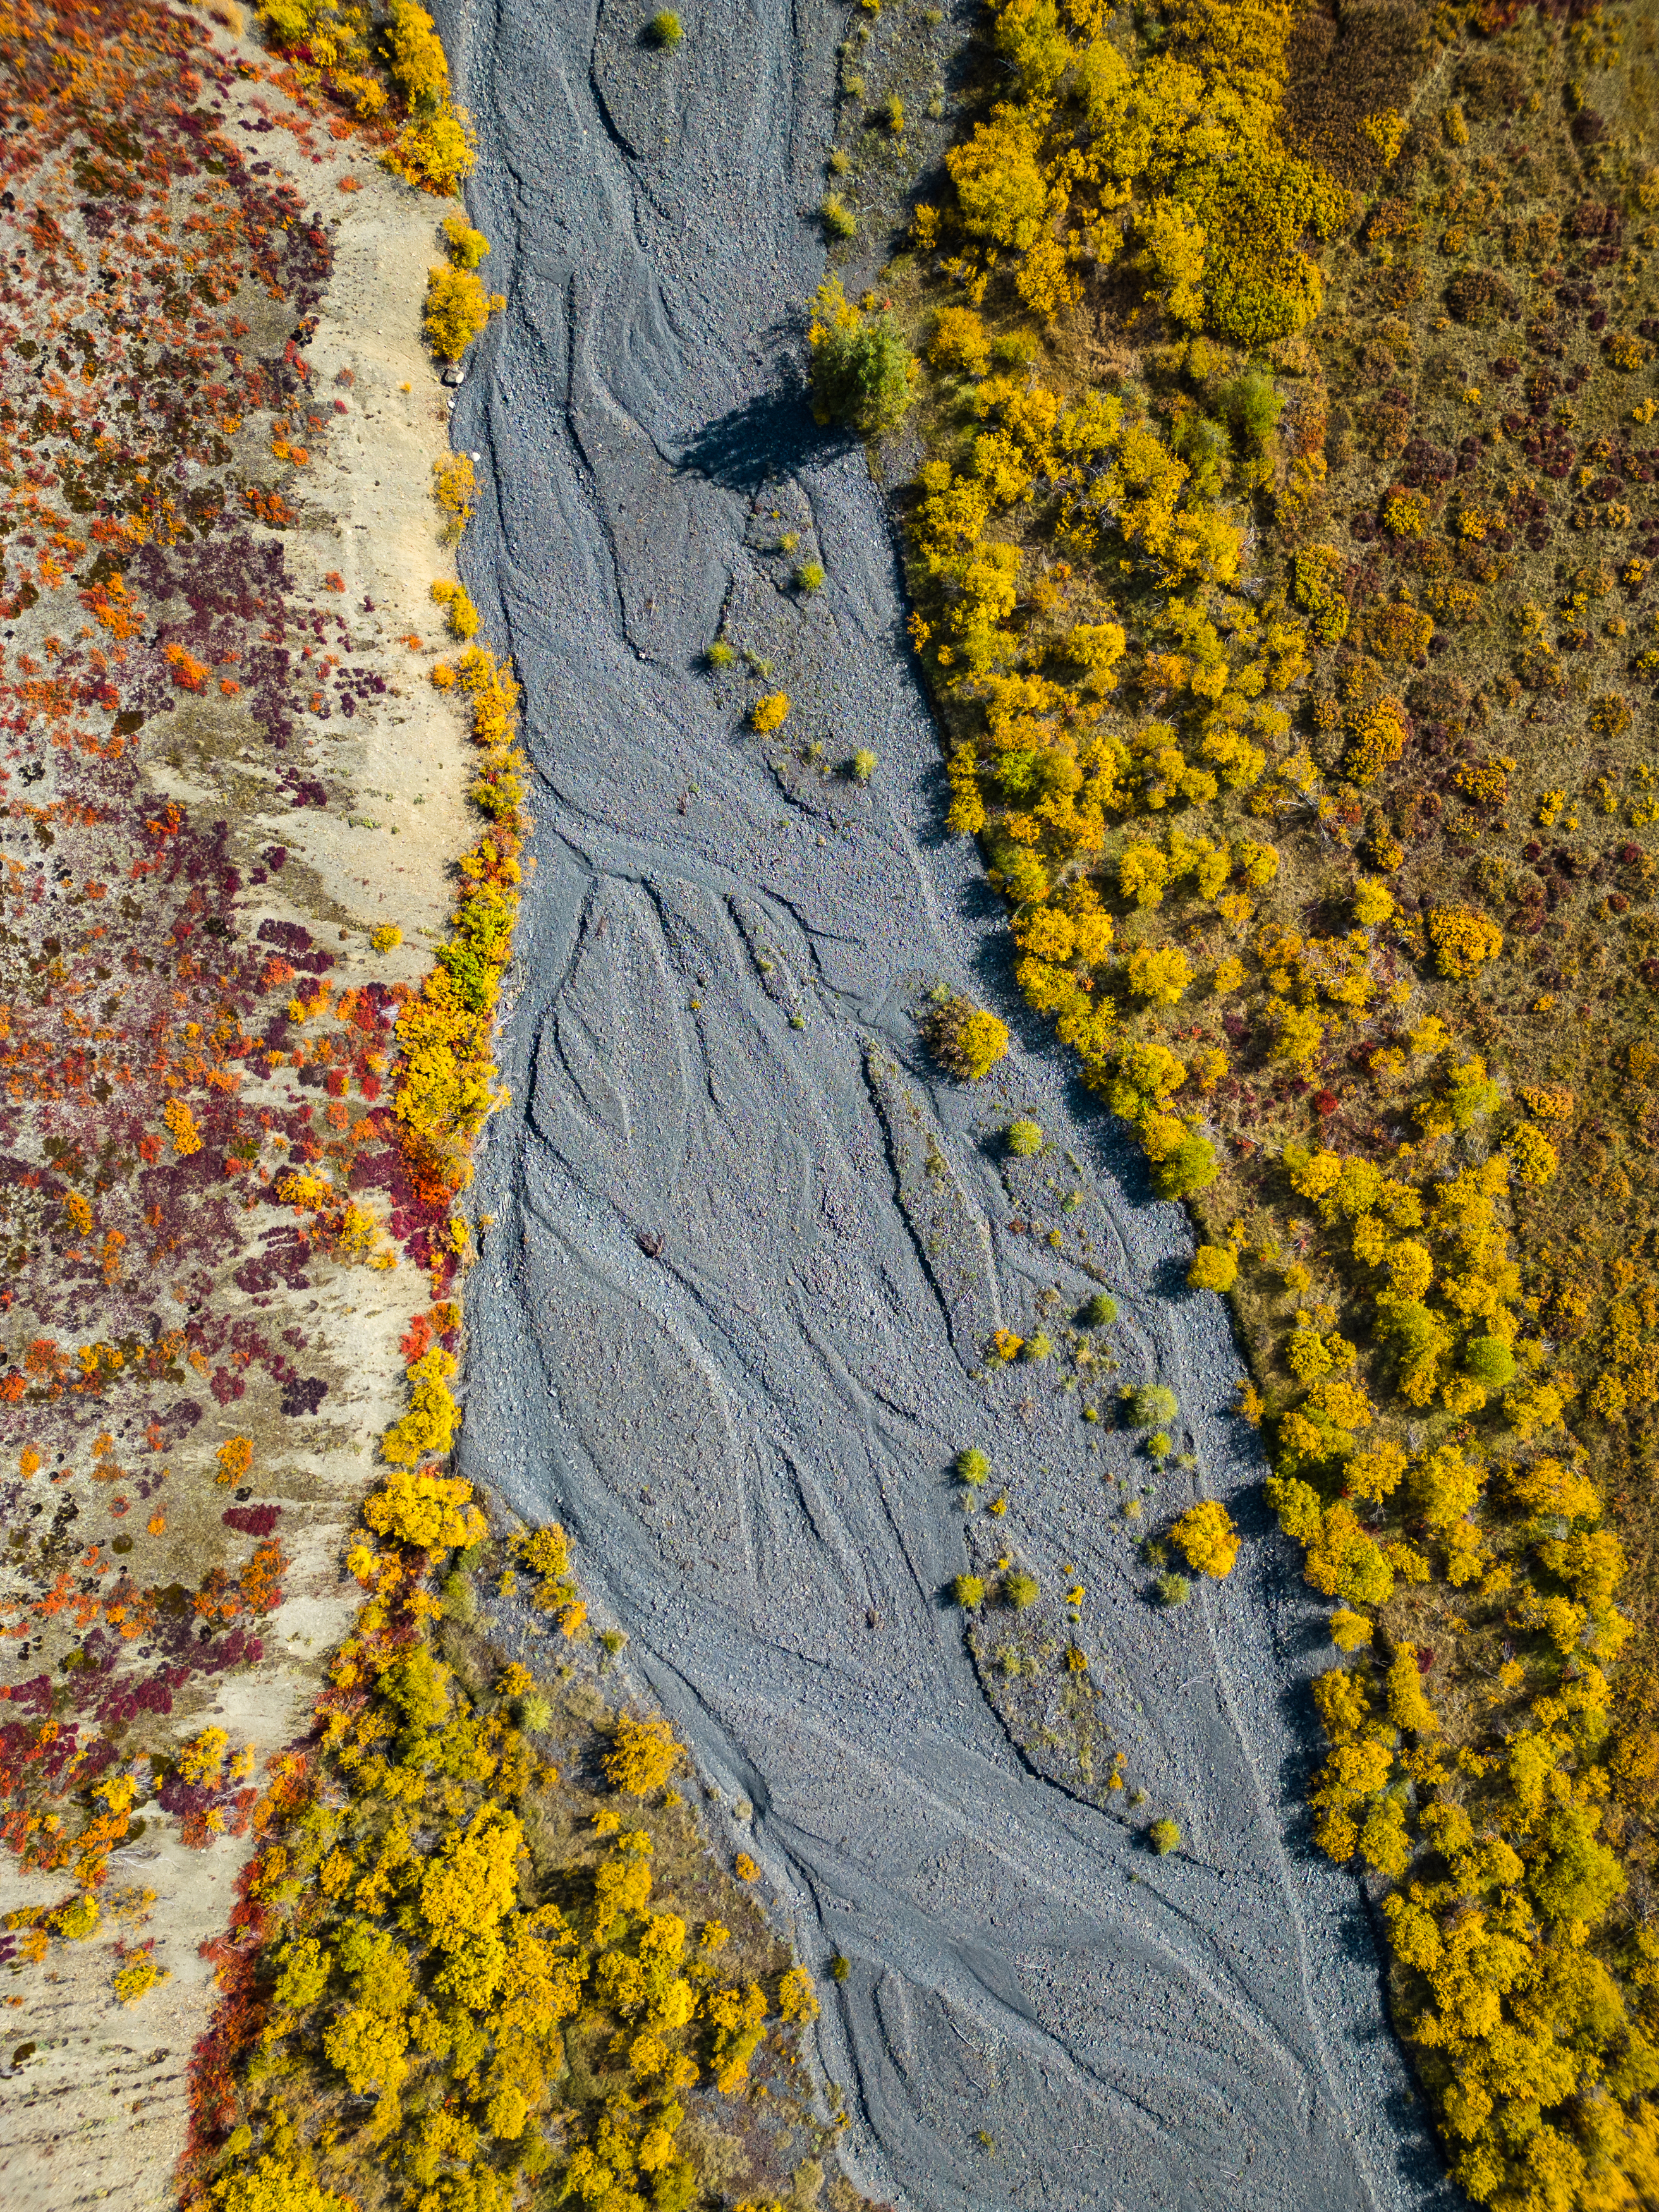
(1097, 1312)
(1153, 1405)
(973, 1468)
(1190, 1167)
(862, 766)
(1019, 1589)
(719, 654)
(664, 29)
(1159, 1445)
(1206, 448)
(1040, 1346)
(862, 373)
(1022, 1139)
(1252, 406)
(1173, 1589)
(1165, 1837)
(968, 1590)
(535, 1713)
(838, 218)
(809, 577)
(1490, 1360)
(840, 1967)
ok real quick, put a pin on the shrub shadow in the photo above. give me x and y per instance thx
(772, 435)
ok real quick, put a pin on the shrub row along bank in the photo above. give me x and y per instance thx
(429, 1995)
(1199, 779)
(455, 1975)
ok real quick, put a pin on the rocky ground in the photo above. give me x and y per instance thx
(744, 1245)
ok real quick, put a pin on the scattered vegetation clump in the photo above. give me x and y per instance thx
(642, 1755)
(965, 1038)
(1173, 1589)
(1205, 1535)
(860, 371)
(771, 712)
(664, 29)
(1024, 1139)
(1164, 1837)
(456, 309)
(1152, 1404)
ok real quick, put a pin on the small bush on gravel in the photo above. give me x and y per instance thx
(838, 218)
(1097, 1312)
(973, 1468)
(1153, 1404)
(770, 713)
(862, 373)
(1022, 1139)
(862, 766)
(1165, 1837)
(840, 1967)
(1040, 1346)
(719, 654)
(665, 30)
(809, 577)
(535, 1713)
(1019, 1589)
(1173, 1588)
(968, 1590)
(965, 1039)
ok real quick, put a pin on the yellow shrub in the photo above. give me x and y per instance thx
(642, 1755)
(1206, 1536)
(1462, 939)
(275, 2184)
(1215, 1267)
(434, 153)
(467, 246)
(181, 1124)
(456, 309)
(960, 342)
(771, 712)
(433, 1418)
(431, 1511)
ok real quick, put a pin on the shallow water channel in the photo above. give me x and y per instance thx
(746, 1247)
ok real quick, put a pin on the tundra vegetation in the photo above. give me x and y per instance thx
(454, 1976)
(1281, 561)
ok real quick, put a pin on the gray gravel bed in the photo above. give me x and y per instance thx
(725, 1323)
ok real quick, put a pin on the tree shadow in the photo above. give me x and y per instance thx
(772, 435)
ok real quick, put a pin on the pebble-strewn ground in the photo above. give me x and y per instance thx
(724, 1325)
